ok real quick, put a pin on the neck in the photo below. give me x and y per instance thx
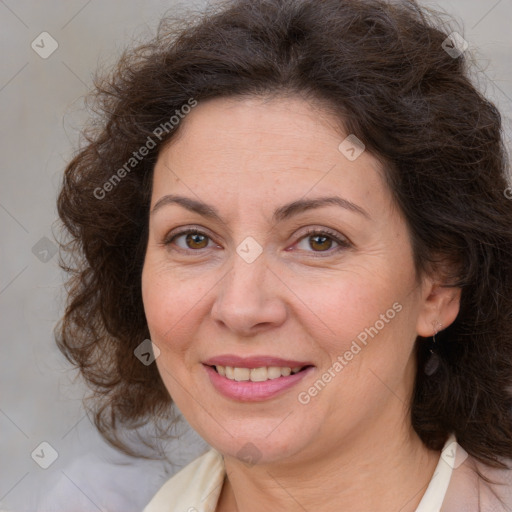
(390, 473)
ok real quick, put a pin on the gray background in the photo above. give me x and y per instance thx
(41, 101)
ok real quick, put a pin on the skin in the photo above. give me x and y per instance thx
(303, 298)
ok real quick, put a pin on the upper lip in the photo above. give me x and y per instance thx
(254, 361)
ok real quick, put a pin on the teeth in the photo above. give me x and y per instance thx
(256, 374)
(261, 374)
(273, 372)
(286, 371)
(241, 373)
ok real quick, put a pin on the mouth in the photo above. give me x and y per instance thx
(251, 380)
(260, 374)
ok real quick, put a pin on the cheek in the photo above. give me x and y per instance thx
(155, 299)
(363, 320)
(172, 305)
(344, 304)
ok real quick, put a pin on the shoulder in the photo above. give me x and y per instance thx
(196, 487)
(475, 486)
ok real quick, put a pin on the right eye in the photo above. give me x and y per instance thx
(192, 240)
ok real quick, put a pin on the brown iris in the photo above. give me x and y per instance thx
(321, 243)
(199, 241)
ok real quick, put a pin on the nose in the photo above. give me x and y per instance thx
(249, 298)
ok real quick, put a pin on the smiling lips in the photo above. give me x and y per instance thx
(254, 378)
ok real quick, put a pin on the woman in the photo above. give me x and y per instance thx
(302, 205)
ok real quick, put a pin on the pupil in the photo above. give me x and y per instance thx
(323, 240)
(197, 239)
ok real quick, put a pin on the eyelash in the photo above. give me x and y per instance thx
(343, 243)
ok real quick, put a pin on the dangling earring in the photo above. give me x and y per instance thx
(433, 362)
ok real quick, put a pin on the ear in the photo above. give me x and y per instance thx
(439, 309)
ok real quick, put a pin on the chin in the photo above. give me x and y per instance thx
(266, 448)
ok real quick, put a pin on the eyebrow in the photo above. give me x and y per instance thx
(282, 213)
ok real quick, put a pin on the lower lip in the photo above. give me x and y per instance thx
(248, 391)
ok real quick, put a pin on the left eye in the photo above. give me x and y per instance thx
(321, 241)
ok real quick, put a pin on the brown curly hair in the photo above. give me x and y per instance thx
(382, 68)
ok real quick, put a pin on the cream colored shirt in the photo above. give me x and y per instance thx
(197, 487)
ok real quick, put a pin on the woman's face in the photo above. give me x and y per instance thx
(274, 279)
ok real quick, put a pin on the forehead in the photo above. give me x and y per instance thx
(265, 150)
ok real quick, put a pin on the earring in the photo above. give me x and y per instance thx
(433, 363)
